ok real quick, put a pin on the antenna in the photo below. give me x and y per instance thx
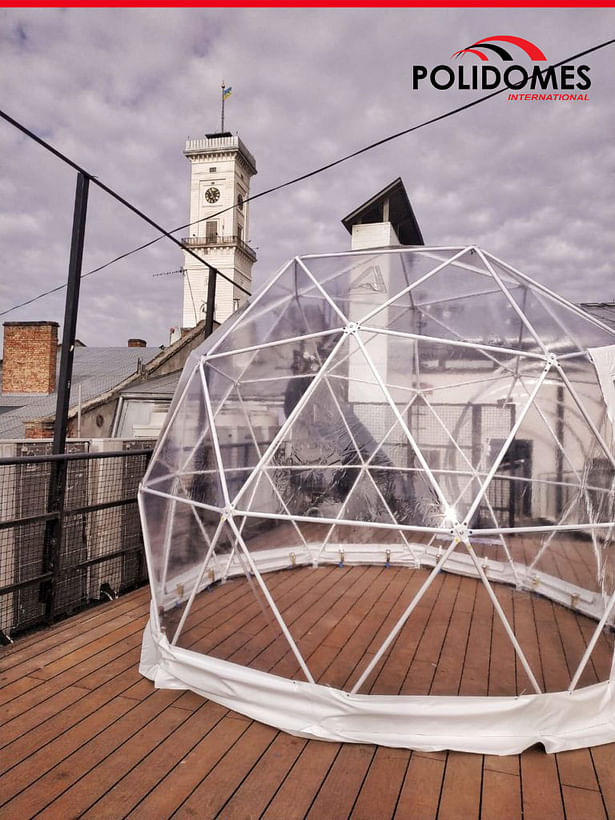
(181, 271)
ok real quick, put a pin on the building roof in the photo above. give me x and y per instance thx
(605, 311)
(389, 205)
(156, 387)
(95, 370)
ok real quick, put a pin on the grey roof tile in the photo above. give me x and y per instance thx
(95, 369)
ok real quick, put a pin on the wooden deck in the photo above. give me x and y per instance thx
(339, 617)
(84, 735)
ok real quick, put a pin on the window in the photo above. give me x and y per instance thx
(235, 304)
(211, 230)
(239, 232)
(240, 202)
(212, 170)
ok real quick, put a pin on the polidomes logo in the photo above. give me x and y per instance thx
(506, 50)
(478, 48)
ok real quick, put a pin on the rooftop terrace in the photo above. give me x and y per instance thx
(85, 736)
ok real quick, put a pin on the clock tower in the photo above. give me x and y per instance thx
(221, 168)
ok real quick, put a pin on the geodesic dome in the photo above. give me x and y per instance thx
(421, 438)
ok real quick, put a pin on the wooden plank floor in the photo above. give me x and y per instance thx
(339, 617)
(83, 735)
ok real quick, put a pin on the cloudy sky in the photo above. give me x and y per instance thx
(119, 91)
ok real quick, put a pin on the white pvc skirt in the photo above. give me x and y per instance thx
(484, 725)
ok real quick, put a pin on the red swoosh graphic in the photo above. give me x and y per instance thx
(471, 51)
(532, 51)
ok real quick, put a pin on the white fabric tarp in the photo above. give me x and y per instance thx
(604, 362)
(484, 725)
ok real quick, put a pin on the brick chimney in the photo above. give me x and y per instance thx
(30, 351)
(137, 343)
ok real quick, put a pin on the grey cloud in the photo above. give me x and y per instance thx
(121, 89)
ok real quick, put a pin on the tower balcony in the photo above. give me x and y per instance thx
(219, 242)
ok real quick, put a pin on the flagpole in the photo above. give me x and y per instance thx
(222, 112)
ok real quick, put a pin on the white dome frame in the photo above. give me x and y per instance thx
(497, 725)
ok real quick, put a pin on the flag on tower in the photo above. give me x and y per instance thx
(227, 92)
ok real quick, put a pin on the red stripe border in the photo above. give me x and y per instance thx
(331, 4)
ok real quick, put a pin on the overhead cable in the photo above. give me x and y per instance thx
(169, 234)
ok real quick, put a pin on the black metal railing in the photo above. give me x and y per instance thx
(95, 551)
(218, 241)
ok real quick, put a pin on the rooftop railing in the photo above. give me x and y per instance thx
(217, 242)
(96, 548)
(218, 143)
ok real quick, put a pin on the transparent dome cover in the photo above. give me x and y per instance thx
(430, 413)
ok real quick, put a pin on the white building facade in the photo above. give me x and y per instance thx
(221, 169)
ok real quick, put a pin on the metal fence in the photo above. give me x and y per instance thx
(60, 552)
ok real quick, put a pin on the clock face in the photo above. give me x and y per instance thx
(212, 195)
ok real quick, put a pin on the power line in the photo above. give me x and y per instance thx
(431, 121)
(123, 201)
(266, 192)
(384, 140)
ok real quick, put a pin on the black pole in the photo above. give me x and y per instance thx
(222, 110)
(57, 478)
(211, 302)
(70, 314)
